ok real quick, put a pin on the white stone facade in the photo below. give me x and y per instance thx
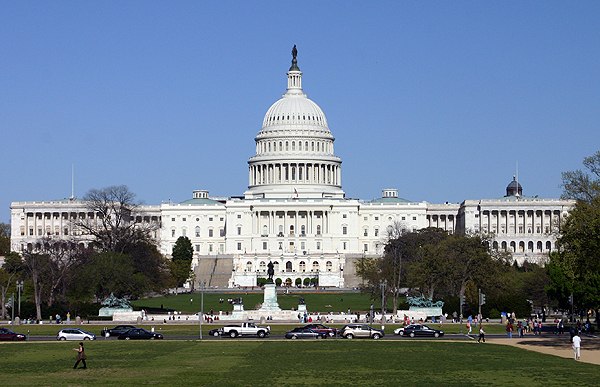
(295, 213)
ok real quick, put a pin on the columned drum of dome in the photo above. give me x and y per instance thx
(294, 149)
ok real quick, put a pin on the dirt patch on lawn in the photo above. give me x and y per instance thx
(557, 346)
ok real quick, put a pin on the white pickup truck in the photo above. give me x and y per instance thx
(245, 329)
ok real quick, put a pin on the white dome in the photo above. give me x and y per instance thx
(294, 110)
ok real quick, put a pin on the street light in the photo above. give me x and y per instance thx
(201, 314)
(19, 290)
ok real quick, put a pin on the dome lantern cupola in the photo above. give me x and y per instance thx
(514, 188)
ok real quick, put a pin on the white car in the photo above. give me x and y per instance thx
(74, 334)
(399, 331)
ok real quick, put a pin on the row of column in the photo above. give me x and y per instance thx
(315, 221)
(546, 218)
(302, 173)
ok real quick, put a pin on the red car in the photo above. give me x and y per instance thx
(8, 335)
(332, 332)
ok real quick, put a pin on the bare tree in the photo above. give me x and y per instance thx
(112, 226)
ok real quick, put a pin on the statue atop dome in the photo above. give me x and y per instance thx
(294, 66)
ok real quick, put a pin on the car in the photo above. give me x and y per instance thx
(399, 331)
(350, 331)
(305, 333)
(216, 332)
(8, 335)
(139, 334)
(74, 334)
(421, 330)
(116, 331)
(332, 332)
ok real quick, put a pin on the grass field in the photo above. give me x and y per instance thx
(279, 363)
(323, 302)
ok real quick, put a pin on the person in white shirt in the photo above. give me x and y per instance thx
(577, 346)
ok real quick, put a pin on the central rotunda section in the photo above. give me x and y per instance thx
(294, 149)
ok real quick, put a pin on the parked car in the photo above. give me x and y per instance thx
(8, 335)
(74, 334)
(420, 330)
(139, 334)
(351, 331)
(116, 331)
(332, 332)
(399, 331)
(305, 333)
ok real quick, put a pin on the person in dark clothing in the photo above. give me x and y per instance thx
(80, 356)
(481, 334)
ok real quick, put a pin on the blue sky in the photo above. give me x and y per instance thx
(438, 99)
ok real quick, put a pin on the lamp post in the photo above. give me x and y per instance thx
(201, 314)
(19, 290)
(383, 285)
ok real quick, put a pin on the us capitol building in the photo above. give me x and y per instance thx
(295, 213)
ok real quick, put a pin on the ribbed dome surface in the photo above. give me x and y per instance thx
(294, 110)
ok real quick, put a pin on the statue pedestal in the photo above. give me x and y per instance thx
(108, 311)
(270, 301)
(238, 312)
(302, 308)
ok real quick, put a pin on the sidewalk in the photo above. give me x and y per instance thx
(556, 346)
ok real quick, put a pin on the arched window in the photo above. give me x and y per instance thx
(521, 247)
(262, 266)
(287, 146)
(318, 229)
(303, 230)
(276, 267)
(495, 245)
(328, 265)
(315, 266)
(292, 229)
(539, 246)
(548, 246)
(249, 266)
(504, 246)
(293, 145)
(530, 247)
(197, 232)
(302, 266)
(513, 247)
(280, 146)
(288, 266)
(265, 230)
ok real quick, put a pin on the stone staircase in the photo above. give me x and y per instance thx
(214, 270)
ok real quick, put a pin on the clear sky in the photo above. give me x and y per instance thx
(438, 99)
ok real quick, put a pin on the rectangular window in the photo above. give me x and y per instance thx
(184, 219)
(239, 216)
(222, 232)
(210, 219)
(31, 232)
(239, 231)
(197, 248)
(210, 233)
(173, 233)
(344, 216)
(318, 245)
(344, 245)
(264, 245)
(366, 247)
(377, 218)
(239, 246)
(210, 248)
(345, 230)
(414, 218)
(376, 232)
(366, 233)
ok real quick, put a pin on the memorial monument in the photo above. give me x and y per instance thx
(113, 304)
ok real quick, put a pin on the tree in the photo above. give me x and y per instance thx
(4, 239)
(574, 268)
(113, 227)
(181, 260)
(37, 267)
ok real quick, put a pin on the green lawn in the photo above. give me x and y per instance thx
(254, 363)
(323, 302)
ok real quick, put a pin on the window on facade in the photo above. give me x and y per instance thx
(344, 245)
(222, 232)
(315, 266)
(292, 230)
(239, 230)
(184, 219)
(377, 218)
(376, 232)
(414, 218)
(239, 246)
(210, 232)
(249, 266)
(318, 245)
(31, 231)
(303, 230)
(197, 232)
(344, 216)
(210, 219)
(183, 232)
(328, 265)
(264, 245)
(173, 233)
(288, 266)
(318, 229)
(172, 219)
(239, 216)
(366, 247)
(345, 230)
(302, 266)
(365, 232)
(210, 248)
(197, 248)
(302, 245)
(262, 266)
(404, 218)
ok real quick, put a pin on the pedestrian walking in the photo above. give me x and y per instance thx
(80, 356)
(509, 330)
(577, 346)
(481, 334)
